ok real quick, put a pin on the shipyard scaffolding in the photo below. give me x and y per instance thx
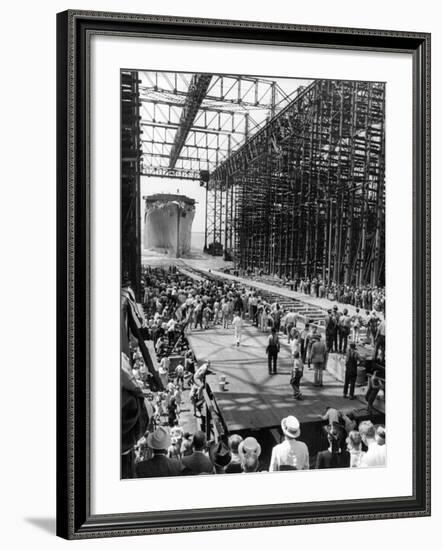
(305, 194)
(130, 181)
(192, 122)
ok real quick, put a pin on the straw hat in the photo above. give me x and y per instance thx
(290, 427)
(159, 439)
(249, 447)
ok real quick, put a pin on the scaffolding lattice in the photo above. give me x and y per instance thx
(307, 191)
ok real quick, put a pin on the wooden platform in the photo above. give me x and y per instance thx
(254, 399)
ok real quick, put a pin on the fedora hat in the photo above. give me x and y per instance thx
(249, 446)
(290, 427)
(220, 454)
(159, 439)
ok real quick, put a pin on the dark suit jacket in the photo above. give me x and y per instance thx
(159, 466)
(325, 459)
(197, 463)
(318, 352)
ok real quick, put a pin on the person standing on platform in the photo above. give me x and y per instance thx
(198, 315)
(272, 351)
(375, 384)
(297, 372)
(200, 378)
(237, 325)
(336, 316)
(238, 305)
(303, 341)
(351, 370)
(330, 330)
(245, 304)
(216, 312)
(263, 319)
(253, 303)
(311, 339)
(225, 312)
(207, 315)
(344, 331)
(356, 321)
(179, 376)
(372, 326)
(277, 315)
(163, 371)
(290, 322)
(380, 341)
(295, 345)
(318, 358)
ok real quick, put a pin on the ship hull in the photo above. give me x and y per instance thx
(168, 226)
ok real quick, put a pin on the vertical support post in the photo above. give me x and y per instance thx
(205, 217)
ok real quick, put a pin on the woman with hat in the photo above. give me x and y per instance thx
(249, 452)
(290, 454)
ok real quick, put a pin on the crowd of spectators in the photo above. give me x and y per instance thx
(367, 297)
(164, 452)
(175, 304)
(364, 297)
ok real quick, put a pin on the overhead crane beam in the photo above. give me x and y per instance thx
(197, 90)
(198, 129)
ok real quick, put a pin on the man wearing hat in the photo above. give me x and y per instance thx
(290, 454)
(159, 465)
(220, 456)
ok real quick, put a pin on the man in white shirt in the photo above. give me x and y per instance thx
(290, 454)
(332, 416)
(376, 454)
(200, 378)
(237, 325)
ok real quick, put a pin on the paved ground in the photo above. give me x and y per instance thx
(254, 399)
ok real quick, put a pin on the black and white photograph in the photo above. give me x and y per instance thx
(253, 305)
